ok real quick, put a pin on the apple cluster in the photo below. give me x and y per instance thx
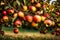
(37, 16)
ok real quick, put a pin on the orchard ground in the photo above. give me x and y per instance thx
(28, 35)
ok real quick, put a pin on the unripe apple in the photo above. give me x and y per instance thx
(38, 5)
(29, 18)
(5, 18)
(24, 8)
(15, 30)
(37, 18)
(43, 18)
(49, 22)
(4, 13)
(34, 24)
(17, 23)
(32, 8)
(21, 14)
(10, 11)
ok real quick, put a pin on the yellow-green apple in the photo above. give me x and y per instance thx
(29, 18)
(37, 18)
(17, 23)
(25, 8)
(34, 24)
(43, 18)
(48, 22)
(38, 5)
(32, 8)
(4, 12)
(14, 15)
(16, 30)
(21, 14)
(5, 18)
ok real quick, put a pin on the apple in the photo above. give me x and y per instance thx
(14, 15)
(34, 24)
(15, 30)
(5, 18)
(57, 33)
(58, 29)
(32, 1)
(32, 8)
(53, 33)
(38, 5)
(24, 8)
(47, 15)
(57, 13)
(10, 11)
(21, 14)
(4, 13)
(37, 18)
(17, 23)
(43, 18)
(48, 22)
(29, 18)
(2, 32)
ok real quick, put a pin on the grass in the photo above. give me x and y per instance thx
(26, 34)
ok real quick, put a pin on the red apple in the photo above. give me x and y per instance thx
(57, 13)
(38, 5)
(10, 10)
(43, 18)
(48, 22)
(17, 23)
(58, 29)
(29, 18)
(37, 18)
(32, 8)
(21, 14)
(4, 13)
(34, 24)
(47, 15)
(5, 18)
(15, 30)
(24, 8)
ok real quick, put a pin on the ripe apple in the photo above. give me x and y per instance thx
(15, 30)
(17, 23)
(21, 14)
(58, 29)
(37, 18)
(14, 15)
(34, 24)
(29, 18)
(32, 1)
(4, 13)
(24, 8)
(43, 18)
(38, 5)
(10, 11)
(32, 8)
(47, 15)
(48, 22)
(57, 13)
(5, 18)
